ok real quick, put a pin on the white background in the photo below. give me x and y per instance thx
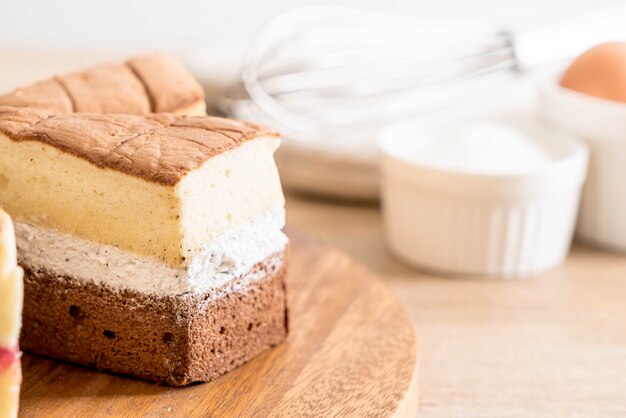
(37, 38)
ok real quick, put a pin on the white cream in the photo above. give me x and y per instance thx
(482, 147)
(227, 257)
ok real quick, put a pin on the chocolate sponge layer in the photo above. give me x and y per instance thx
(175, 340)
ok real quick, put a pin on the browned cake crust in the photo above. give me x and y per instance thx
(173, 340)
(169, 85)
(161, 148)
(90, 90)
(149, 83)
(46, 95)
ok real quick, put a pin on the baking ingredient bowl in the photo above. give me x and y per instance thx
(499, 199)
(601, 124)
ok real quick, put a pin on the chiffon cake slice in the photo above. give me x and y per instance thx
(144, 84)
(11, 289)
(152, 245)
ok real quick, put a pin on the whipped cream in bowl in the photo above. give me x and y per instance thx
(495, 196)
(481, 147)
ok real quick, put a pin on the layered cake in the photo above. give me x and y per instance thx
(141, 85)
(151, 245)
(10, 319)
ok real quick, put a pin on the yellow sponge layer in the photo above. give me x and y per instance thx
(42, 185)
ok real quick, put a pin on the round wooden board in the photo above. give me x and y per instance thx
(351, 352)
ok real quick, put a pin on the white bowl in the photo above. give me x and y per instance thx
(601, 124)
(509, 225)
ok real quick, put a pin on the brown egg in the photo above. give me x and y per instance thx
(600, 72)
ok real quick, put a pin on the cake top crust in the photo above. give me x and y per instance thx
(161, 148)
(169, 85)
(144, 84)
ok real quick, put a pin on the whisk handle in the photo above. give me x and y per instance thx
(566, 37)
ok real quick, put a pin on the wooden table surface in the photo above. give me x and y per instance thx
(549, 346)
(350, 352)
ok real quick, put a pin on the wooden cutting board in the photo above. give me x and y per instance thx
(351, 352)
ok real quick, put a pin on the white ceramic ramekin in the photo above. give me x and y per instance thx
(601, 124)
(479, 224)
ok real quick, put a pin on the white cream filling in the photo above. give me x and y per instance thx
(225, 258)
